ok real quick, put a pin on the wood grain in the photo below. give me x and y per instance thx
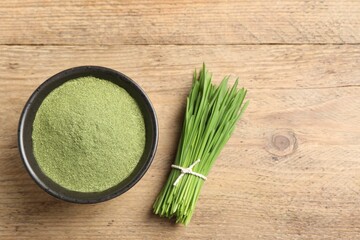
(290, 171)
(179, 22)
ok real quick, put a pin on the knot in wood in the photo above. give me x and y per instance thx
(281, 142)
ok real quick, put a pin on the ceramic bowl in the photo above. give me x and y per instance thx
(26, 128)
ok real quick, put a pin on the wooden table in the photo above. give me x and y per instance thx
(290, 171)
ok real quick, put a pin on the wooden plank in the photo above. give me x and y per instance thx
(304, 103)
(179, 22)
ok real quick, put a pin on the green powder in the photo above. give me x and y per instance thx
(88, 135)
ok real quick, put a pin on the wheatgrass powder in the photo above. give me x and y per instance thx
(88, 135)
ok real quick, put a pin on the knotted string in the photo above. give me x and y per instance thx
(187, 170)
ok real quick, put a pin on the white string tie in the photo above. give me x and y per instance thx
(187, 170)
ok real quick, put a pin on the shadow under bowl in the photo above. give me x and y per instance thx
(26, 127)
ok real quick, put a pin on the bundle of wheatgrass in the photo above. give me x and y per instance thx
(210, 118)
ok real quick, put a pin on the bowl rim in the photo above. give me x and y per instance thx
(58, 76)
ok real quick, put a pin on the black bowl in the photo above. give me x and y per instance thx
(28, 116)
